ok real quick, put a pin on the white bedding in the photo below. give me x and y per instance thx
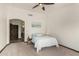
(44, 41)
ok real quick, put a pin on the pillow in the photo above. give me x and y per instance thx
(37, 34)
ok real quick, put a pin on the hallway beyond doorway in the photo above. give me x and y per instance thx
(16, 30)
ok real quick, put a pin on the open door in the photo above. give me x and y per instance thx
(13, 32)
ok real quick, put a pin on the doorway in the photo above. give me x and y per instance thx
(16, 30)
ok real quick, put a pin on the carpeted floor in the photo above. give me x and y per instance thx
(22, 49)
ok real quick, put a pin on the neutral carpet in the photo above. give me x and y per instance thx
(23, 49)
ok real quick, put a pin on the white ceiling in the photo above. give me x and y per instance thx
(28, 6)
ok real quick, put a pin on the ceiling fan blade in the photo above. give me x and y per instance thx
(35, 6)
(43, 8)
(48, 3)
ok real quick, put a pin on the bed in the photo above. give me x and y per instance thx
(41, 40)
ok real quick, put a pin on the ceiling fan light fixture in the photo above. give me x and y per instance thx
(40, 4)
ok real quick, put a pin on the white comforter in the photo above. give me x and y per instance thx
(44, 41)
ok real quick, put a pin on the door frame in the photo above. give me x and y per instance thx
(8, 30)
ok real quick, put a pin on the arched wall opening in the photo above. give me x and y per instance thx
(16, 30)
(25, 29)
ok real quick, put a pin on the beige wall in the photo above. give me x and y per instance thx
(2, 26)
(63, 22)
(37, 18)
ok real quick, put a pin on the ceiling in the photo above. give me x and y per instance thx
(28, 6)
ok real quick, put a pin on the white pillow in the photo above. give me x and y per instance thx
(38, 34)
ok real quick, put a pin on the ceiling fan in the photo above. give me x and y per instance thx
(42, 5)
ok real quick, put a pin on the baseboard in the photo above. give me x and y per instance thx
(4, 47)
(69, 48)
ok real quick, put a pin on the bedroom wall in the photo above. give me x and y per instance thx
(2, 26)
(63, 23)
(37, 19)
